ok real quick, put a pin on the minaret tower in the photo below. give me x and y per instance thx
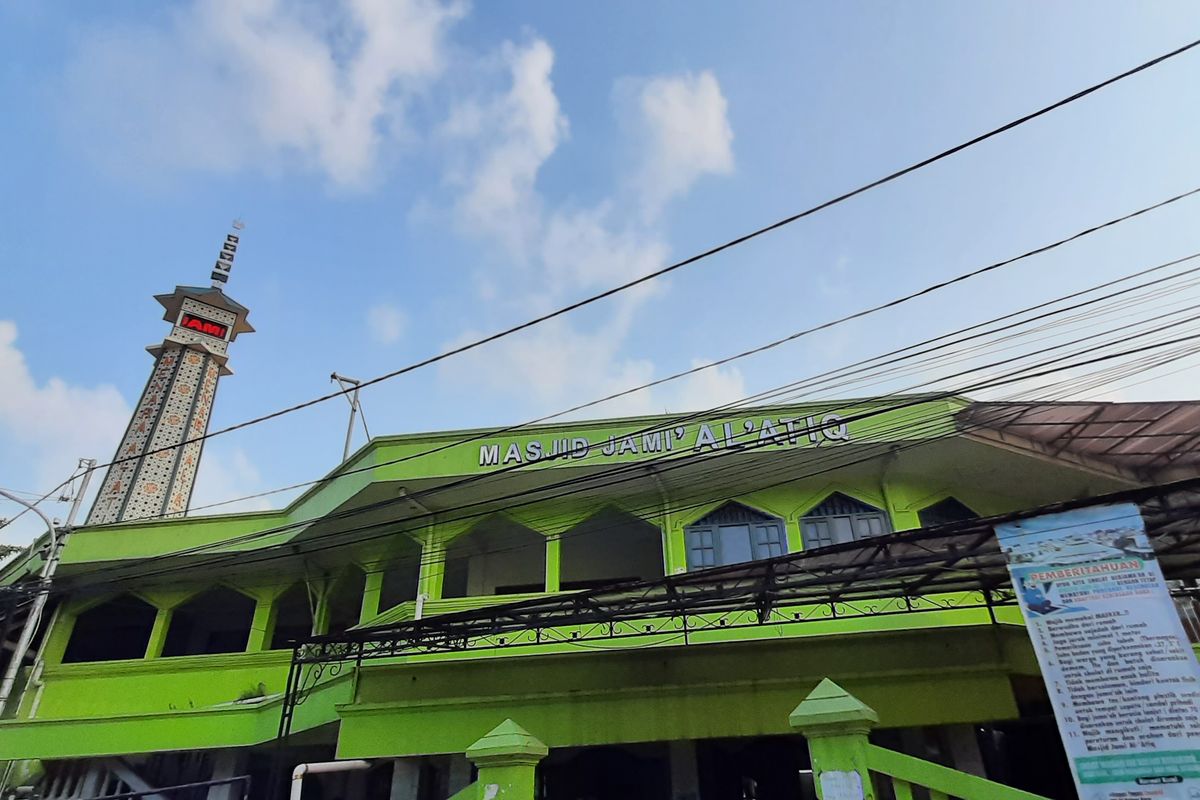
(154, 471)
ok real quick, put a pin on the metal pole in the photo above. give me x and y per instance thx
(39, 603)
(89, 465)
(341, 380)
(39, 658)
(350, 427)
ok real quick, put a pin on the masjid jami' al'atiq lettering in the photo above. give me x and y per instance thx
(746, 434)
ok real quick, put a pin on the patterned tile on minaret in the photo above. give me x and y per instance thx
(155, 467)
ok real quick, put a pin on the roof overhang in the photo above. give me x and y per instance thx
(1147, 439)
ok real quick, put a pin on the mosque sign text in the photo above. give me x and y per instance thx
(664, 439)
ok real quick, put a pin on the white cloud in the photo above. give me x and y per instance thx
(552, 367)
(48, 428)
(558, 254)
(386, 323)
(509, 139)
(710, 387)
(226, 474)
(586, 250)
(229, 84)
(684, 126)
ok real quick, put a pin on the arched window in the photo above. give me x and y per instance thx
(293, 617)
(217, 621)
(611, 546)
(116, 629)
(733, 534)
(498, 556)
(841, 519)
(944, 512)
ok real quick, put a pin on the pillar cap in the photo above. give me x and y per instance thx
(829, 706)
(507, 743)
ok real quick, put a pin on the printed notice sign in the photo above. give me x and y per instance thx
(1118, 666)
(841, 786)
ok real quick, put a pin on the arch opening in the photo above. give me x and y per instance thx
(733, 534)
(840, 518)
(216, 621)
(498, 556)
(944, 512)
(611, 546)
(113, 630)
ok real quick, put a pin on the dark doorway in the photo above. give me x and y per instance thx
(606, 773)
(763, 768)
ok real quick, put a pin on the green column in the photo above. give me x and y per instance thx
(59, 634)
(372, 590)
(554, 563)
(321, 612)
(433, 569)
(896, 497)
(795, 535)
(506, 759)
(836, 724)
(262, 627)
(158, 634)
(676, 547)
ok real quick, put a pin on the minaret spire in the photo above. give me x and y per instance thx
(224, 265)
(155, 471)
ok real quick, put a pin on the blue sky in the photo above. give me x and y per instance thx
(412, 174)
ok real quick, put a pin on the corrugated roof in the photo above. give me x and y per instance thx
(1144, 437)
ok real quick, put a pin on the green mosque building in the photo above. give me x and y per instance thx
(626, 607)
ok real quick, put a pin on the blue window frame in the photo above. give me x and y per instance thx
(734, 534)
(840, 519)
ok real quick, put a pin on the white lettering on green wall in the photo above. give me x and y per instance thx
(779, 432)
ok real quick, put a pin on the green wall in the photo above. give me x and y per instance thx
(650, 689)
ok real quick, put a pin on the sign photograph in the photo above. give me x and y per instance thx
(1119, 669)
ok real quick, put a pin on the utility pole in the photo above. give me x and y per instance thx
(355, 409)
(51, 564)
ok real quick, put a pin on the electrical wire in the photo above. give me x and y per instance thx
(723, 361)
(762, 397)
(1018, 375)
(574, 306)
(652, 513)
(353, 511)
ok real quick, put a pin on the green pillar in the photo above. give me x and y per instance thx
(676, 547)
(59, 635)
(506, 759)
(158, 633)
(433, 569)
(836, 724)
(321, 611)
(896, 495)
(554, 563)
(795, 535)
(262, 627)
(372, 591)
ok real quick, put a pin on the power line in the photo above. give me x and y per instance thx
(574, 306)
(729, 359)
(1018, 375)
(884, 447)
(490, 476)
